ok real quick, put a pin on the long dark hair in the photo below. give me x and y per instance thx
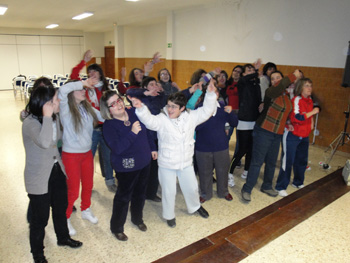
(42, 92)
(230, 80)
(168, 73)
(97, 68)
(132, 79)
(267, 66)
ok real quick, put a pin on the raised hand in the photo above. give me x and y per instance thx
(257, 64)
(136, 127)
(123, 73)
(88, 56)
(156, 58)
(196, 86)
(211, 86)
(90, 82)
(217, 71)
(148, 67)
(151, 93)
(135, 102)
(48, 108)
(298, 74)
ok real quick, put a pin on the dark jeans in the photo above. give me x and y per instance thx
(40, 211)
(131, 188)
(297, 149)
(104, 154)
(266, 146)
(245, 148)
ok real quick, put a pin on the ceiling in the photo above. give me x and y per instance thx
(38, 14)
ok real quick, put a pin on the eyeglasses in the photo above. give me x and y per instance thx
(164, 74)
(115, 103)
(172, 107)
(238, 71)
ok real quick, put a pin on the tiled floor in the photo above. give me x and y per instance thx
(321, 238)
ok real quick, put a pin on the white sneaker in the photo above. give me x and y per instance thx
(231, 180)
(282, 193)
(88, 215)
(244, 174)
(71, 229)
(299, 186)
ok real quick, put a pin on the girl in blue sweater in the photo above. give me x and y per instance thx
(130, 157)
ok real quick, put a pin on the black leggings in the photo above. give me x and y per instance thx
(245, 138)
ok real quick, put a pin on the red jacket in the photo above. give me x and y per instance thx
(75, 75)
(301, 124)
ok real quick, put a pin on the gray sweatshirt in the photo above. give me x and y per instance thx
(74, 142)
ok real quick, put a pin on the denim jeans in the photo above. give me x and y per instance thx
(266, 146)
(296, 156)
(104, 154)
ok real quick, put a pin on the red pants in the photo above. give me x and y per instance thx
(79, 168)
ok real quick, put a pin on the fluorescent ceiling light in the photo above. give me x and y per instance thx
(52, 26)
(83, 15)
(131, 0)
(3, 9)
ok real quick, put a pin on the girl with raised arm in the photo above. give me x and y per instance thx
(175, 129)
(44, 173)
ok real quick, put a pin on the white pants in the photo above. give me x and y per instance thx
(189, 187)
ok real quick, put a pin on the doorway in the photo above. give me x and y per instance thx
(109, 62)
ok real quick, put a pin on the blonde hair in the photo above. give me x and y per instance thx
(76, 115)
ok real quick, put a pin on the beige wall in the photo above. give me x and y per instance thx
(308, 33)
(144, 41)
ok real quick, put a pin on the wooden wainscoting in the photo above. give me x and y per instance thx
(333, 98)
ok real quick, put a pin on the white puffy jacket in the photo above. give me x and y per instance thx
(176, 136)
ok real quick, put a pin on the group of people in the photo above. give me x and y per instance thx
(167, 135)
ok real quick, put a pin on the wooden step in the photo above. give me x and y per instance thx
(246, 236)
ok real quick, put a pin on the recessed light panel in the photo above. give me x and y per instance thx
(52, 26)
(3, 9)
(83, 15)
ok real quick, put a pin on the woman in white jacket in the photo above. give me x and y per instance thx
(175, 129)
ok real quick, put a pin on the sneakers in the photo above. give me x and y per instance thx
(270, 192)
(308, 168)
(244, 174)
(245, 196)
(282, 193)
(88, 215)
(231, 180)
(71, 229)
(299, 186)
(112, 188)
